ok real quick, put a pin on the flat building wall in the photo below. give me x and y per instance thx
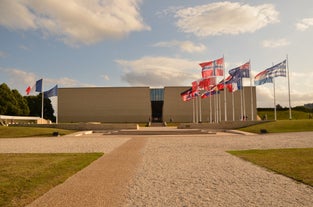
(104, 104)
(133, 105)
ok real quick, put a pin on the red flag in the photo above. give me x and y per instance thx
(213, 68)
(194, 86)
(28, 90)
(207, 83)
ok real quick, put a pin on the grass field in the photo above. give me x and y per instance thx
(24, 177)
(16, 132)
(283, 115)
(294, 163)
(280, 126)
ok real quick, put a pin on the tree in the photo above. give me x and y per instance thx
(34, 104)
(11, 102)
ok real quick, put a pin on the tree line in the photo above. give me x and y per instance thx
(14, 104)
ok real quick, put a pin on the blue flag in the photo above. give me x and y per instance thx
(52, 92)
(39, 85)
(267, 75)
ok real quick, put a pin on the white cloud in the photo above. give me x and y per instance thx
(225, 18)
(159, 71)
(185, 46)
(19, 79)
(304, 24)
(16, 15)
(74, 21)
(275, 43)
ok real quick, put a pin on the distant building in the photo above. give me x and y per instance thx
(143, 104)
(308, 106)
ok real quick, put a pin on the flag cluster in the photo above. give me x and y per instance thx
(38, 87)
(208, 86)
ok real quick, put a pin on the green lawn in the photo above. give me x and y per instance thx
(282, 126)
(8, 132)
(24, 177)
(294, 163)
(283, 115)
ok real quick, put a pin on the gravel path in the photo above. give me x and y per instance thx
(185, 170)
(67, 144)
(196, 171)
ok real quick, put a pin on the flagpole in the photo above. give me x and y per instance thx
(251, 92)
(290, 115)
(42, 101)
(197, 117)
(244, 101)
(216, 107)
(57, 114)
(275, 114)
(241, 110)
(200, 110)
(233, 104)
(211, 117)
(193, 111)
(225, 102)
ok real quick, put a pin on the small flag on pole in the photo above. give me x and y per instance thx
(213, 68)
(267, 75)
(52, 92)
(37, 87)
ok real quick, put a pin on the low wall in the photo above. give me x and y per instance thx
(83, 126)
(219, 126)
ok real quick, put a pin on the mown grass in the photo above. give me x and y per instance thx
(282, 126)
(16, 132)
(294, 163)
(25, 177)
(283, 115)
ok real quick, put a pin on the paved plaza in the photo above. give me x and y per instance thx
(170, 170)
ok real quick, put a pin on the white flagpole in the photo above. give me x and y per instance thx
(200, 110)
(57, 114)
(290, 115)
(42, 101)
(233, 104)
(216, 107)
(241, 110)
(197, 117)
(193, 111)
(225, 102)
(251, 92)
(275, 114)
(244, 101)
(211, 117)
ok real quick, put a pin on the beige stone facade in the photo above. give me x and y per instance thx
(105, 104)
(134, 105)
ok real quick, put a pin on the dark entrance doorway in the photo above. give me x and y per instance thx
(157, 100)
(157, 111)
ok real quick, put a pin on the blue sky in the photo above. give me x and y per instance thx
(103, 43)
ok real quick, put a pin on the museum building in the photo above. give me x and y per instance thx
(144, 104)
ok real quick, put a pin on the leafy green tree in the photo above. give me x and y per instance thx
(11, 102)
(21, 103)
(34, 104)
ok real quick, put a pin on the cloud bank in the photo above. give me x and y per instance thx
(185, 46)
(159, 71)
(74, 22)
(304, 24)
(225, 18)
(275, 43)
